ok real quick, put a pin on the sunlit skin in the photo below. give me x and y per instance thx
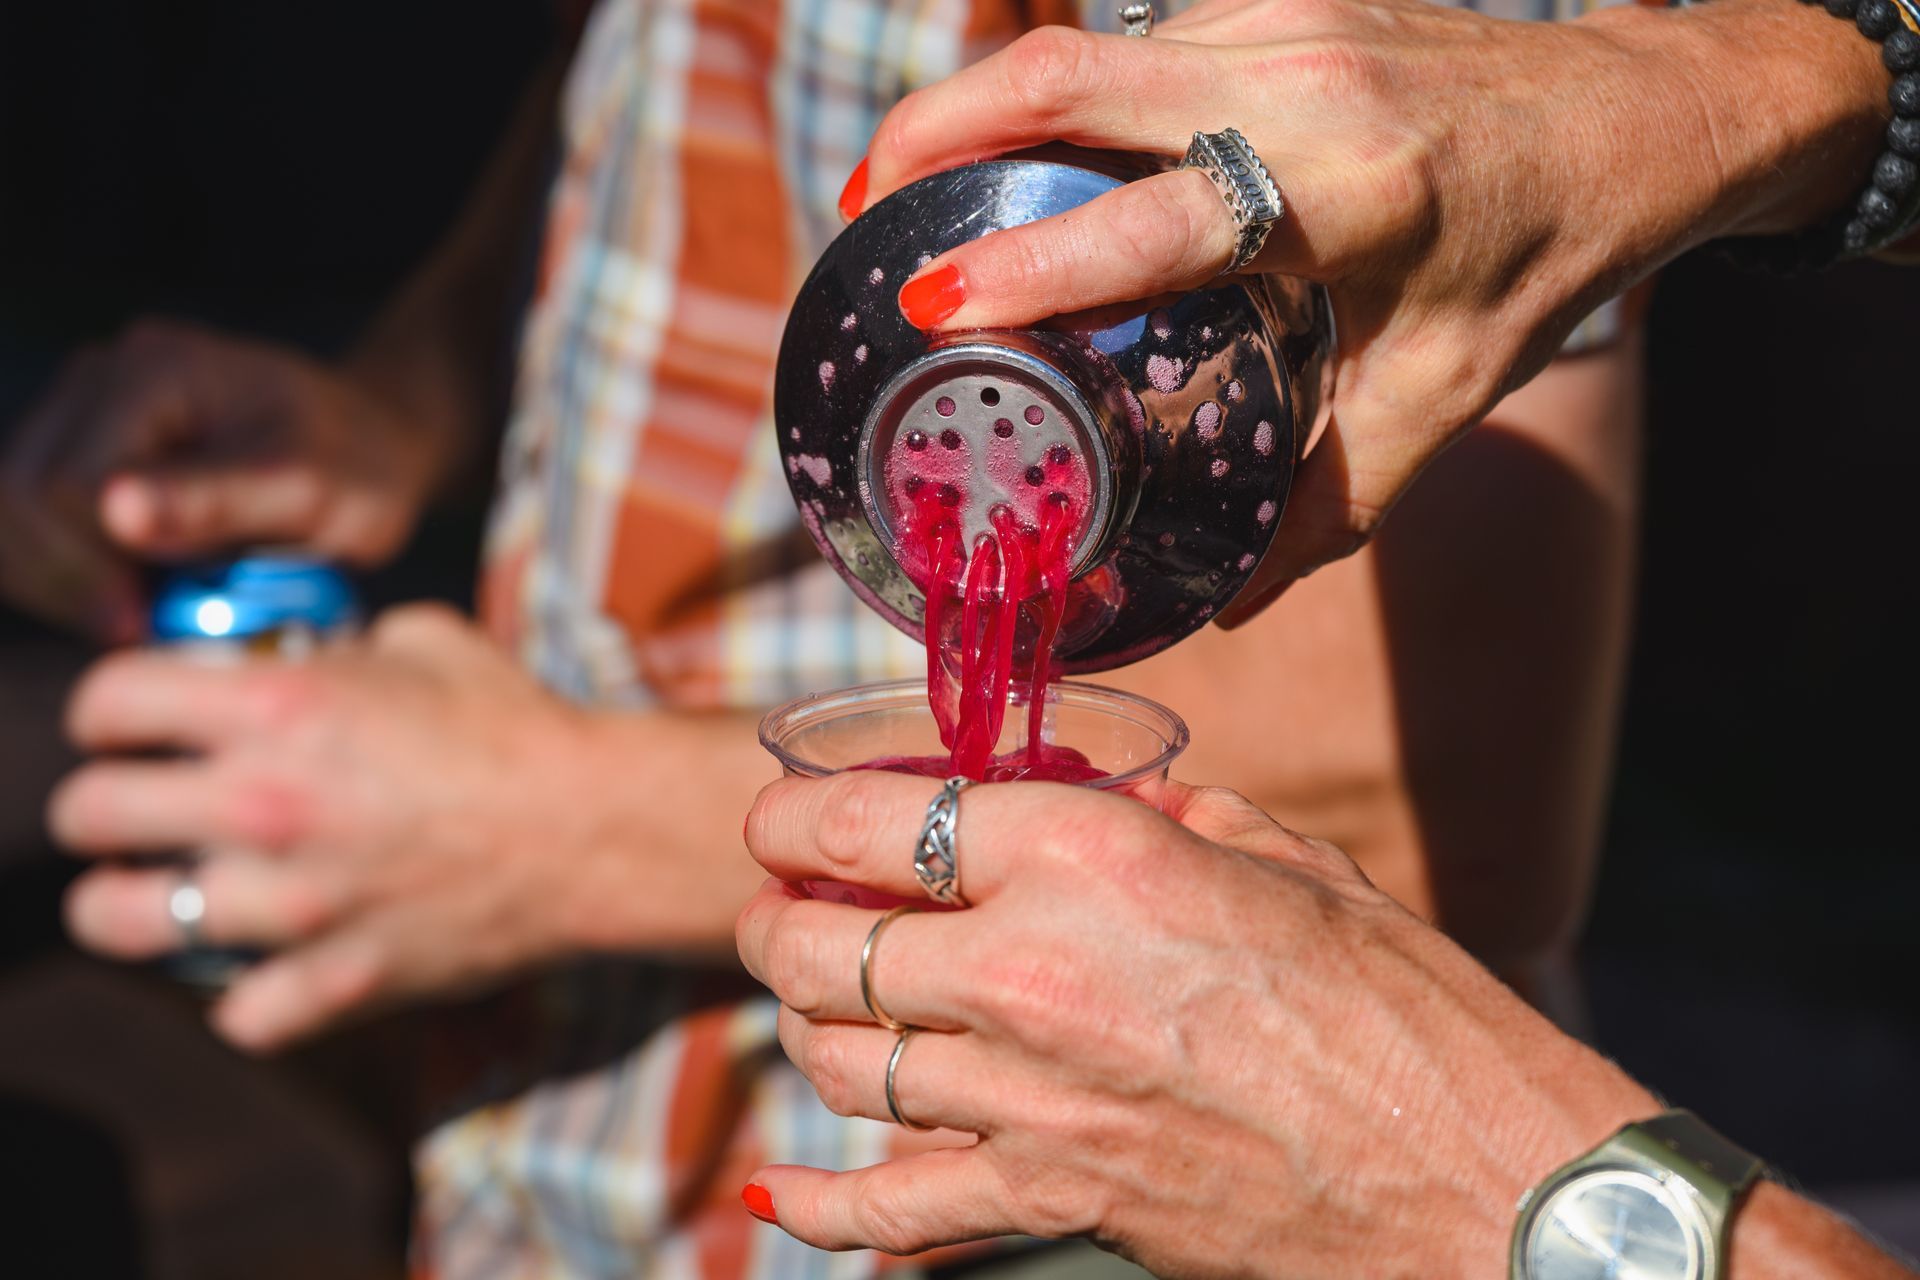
(1196, 1037)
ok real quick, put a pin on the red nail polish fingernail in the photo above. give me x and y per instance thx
(854, 195)
(927, 300)
(759, 1202)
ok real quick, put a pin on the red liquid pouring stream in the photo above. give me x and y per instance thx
(994, 610)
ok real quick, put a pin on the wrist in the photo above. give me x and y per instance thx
(1777, 109)
(1523, 1099)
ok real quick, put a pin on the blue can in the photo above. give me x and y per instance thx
(268, 602)
(272, 604)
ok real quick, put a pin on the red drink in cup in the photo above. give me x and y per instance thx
(1124, 742)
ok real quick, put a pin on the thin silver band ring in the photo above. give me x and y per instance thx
(893, 1068)
(187, 906)
(872, 1002)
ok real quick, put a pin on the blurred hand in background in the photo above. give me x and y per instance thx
(176, 442)
(404, 815)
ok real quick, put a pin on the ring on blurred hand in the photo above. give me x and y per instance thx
(188, 907)
(893, 1068)
(1136, 19)
(934, 859)
(880, 1015)
(1252, 196)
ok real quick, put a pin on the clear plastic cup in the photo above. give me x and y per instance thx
(1134, 740)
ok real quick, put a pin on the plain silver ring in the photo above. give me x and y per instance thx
(893, 1067)
(880, 1015)
(187, 905)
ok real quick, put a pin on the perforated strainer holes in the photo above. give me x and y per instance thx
(989, 397)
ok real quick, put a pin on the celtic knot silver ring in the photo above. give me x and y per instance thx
(1252, 196)
(934, 860)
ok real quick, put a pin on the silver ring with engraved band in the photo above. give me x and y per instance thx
(1251, 195)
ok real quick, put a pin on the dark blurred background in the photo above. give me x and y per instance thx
(277, 169)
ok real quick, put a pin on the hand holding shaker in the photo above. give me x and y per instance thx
(1169, 434)
(269, 603)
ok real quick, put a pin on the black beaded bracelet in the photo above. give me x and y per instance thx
(1889, 209)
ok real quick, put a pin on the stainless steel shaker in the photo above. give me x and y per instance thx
(1189, 414)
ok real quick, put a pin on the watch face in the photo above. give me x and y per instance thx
(1615, 1224)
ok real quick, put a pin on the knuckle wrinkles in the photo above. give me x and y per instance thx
(827, 1067)
(885, 1219)
(1051, 69)
(895, 136)
(1159, 228)
(847, 814)
(789, 966)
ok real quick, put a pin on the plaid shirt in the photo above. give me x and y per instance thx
(644, 551)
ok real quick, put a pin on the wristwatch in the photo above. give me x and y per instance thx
(1652, 1202)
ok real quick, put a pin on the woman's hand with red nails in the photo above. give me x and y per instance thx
(1468, 188)
(1199, 1039)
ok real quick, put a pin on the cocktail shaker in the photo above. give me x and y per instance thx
(1170, 429)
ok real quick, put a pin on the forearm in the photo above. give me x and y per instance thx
(1505, 582)
(437, 349)
(651, 832)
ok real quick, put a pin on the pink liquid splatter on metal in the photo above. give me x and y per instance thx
(1161, 323)
(1246, 562)
(818, 469)
(1266, 513)
(848, 321)
(1220, 468)
(860, 354)
(1235, 391)
(876, 276)
(1263, 438)
(1165, 374)
(1206, 420)
(826, 375)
